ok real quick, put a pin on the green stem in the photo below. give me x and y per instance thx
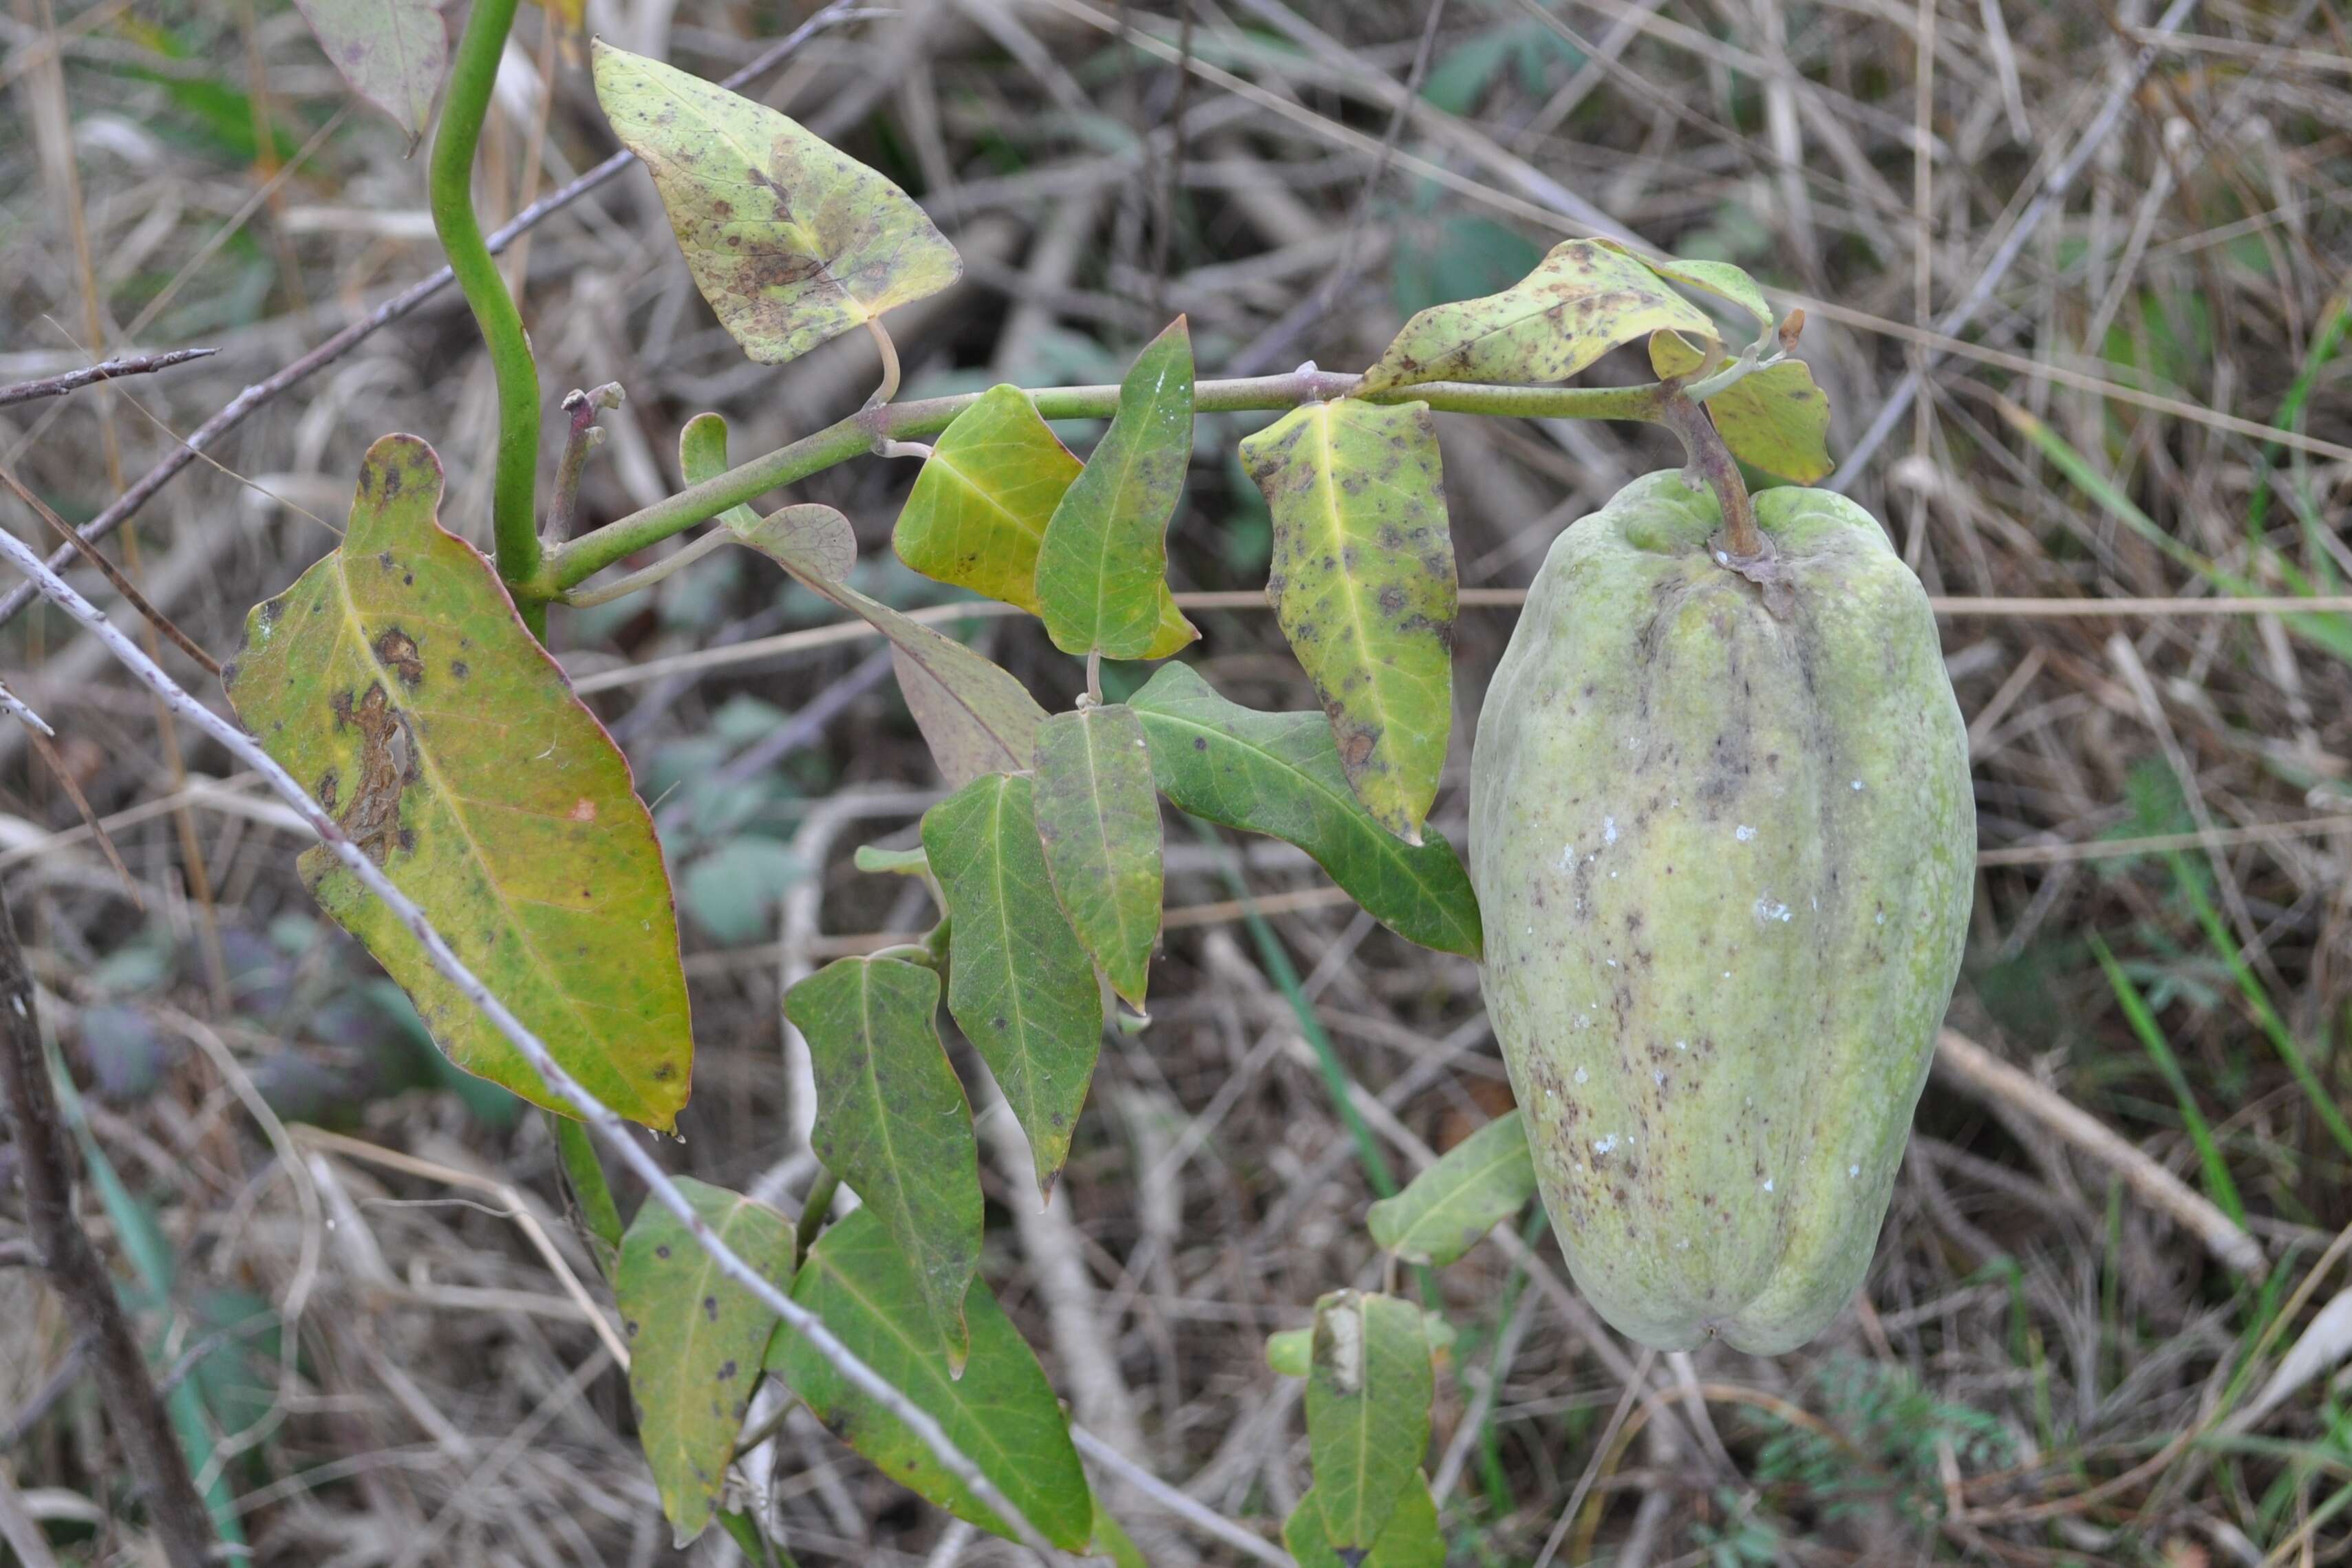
(600, 1217)
(514, 505)
(593, 551)
(813, 1212)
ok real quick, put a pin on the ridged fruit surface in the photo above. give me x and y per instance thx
(1725, 862)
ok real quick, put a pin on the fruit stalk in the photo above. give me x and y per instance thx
(1712, 461)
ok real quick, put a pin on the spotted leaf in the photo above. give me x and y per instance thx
(397, 682)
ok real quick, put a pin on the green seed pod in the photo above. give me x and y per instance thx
(1726, 861)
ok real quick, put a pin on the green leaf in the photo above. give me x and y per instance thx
(1367, 1411)
(1019, 985)
(893, 1123)
(1111, 1541)
(1362, 582)
(1102, 563)
(876, 860)
(984, 496)
(1777, 420)
(394, 53)
(1368, 1403)
(1483, 1180)
(975, 718)
(1279, 773)
(980, 508)
(696, 1340)
(1099, 820)
(1720, 279)
(397, 682)
(792, 241)
(1001, 1413)
(1291, 1351)
(1585, 300)
(1410, 1540)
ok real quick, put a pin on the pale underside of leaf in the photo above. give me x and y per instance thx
(1018, 986)
(395, 680)
(696, 1340)
(976, 717)
(893, 1123)
(1720, 279)
(1583, 300)
(1279, 773)
(1001, 1412)
(394, 53)
(1446, 1210)
(792, 241)
(1362, 582)
(1098, 817)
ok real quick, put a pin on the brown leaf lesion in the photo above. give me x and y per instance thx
(388, 764)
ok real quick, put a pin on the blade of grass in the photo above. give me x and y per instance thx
(2218, 1185)
(2333, 633)
(2282, 1040)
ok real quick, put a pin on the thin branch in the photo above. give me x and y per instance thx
(73, 381)
(579, 441)
(2049, 199)
(113, 574)
(45, 1171)
(258, 395)
(1178, 1503)
(594, 1112)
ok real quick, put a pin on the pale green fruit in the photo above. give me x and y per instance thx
(1725, 862)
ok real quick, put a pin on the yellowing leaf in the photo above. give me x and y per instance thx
(1362, 581)
(1102, 563)
(1777, 420)
(793, 241)
(893, 1123)
(984, 496)
(1019, 985)
(1672, 355)
(1583, 300)
(1001, 1412)
(696, 1339)
(395, 681)
(976, 717)
(394, 53)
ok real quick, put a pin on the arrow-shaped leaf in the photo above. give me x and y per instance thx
(893, 1123)
(1777, 420)
(696, 1340)
(1001, 1413)
(1099, 820)
(976, 717)
(1584, 299)
(1368, 1402)
(1362, 582)
(1102, 563)
(793, 241)
(1018, 986)
(1483, 1180)
(394, 53)
(1279, 773)
(395, 680)
(980, 507)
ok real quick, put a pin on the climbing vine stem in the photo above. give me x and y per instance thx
(514, 498)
